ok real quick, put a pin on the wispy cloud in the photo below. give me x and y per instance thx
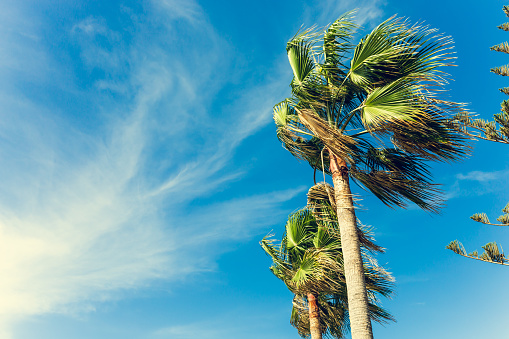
(247, 325)
(88, 212)
(96, 197)
(478, 183)
(483, 176)
(369, 12)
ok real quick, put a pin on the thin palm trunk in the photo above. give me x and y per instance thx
(360, 323)
(314, 317)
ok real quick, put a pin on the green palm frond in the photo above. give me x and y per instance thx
(394, 50)
(326, 240)
(309, 260)
(380, 47)
(393, 103)
(300, 51)
(336, 44)
(436, 138)
(388, 94)
(298, 229)
(306, 272)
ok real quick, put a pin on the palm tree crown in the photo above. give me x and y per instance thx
(379, 112)
(309, 261)
(375, 118)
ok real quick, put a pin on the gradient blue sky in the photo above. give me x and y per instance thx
(141, 169)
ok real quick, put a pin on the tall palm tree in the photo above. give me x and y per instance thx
(309, 261)
(375, 119)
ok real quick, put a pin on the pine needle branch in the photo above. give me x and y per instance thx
(492, 253)
(497, 130)
(502, 70)
(483, 218)
(502, 47)
(504, 26)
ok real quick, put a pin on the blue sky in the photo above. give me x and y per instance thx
(141, 169)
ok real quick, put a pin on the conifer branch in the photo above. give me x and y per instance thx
(498, 131)
(503, 47)
(504, 90)
(502, 70)
(492, 253)
(504, 26)
(506, 10)
(483, 218)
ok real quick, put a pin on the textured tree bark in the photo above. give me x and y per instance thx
(354, 272)
(314, 317)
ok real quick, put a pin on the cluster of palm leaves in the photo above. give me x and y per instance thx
(373, 112)
(309, 259)
(374, 105)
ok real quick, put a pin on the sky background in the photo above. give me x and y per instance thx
(140, 169)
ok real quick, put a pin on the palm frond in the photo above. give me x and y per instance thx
(393, 103)
(339, 144)
(394, 50)
(434, 139)
(300, 55)
(381, 46)
(336, 43)
(309, 259)
(394, 189)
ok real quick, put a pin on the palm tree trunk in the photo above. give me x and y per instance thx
(354, 272)
(314, 317)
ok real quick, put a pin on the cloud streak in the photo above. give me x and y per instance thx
(88, 212)
(108, 147)
(478, 183)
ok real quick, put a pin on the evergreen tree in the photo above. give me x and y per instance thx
(498, 131)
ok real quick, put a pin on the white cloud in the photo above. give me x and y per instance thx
(478, 183)
(369, 12)
(247, 324)
(81, 211)
(483, 176)
(185, 9)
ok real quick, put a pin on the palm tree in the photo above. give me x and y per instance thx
(309, 261)
(375, 119)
